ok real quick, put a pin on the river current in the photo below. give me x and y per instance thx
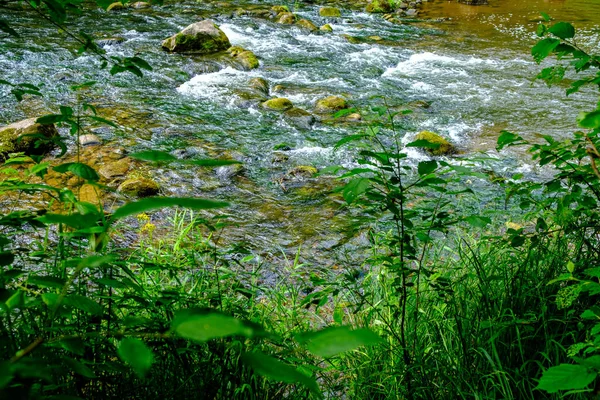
(470, 64)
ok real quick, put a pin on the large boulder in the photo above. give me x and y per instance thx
(26, 136)
(379, 6)
(330, 104)
(445, 146)
(202, 37)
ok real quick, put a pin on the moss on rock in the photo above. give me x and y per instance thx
(379, 6)
(326, 28)
(245, 58)
(139, 186)
(259, 85)
(278, 104)
(330, 12)
(330, 104)
(308, 25)
(286, 18)
(18, 137)
(445, 146)
(203, 37)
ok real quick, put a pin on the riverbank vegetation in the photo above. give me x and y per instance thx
(456, 296)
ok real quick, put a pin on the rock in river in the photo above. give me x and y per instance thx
(202, 37)
(278, 104)
(445, 146)
(24, 136)
(330, 104)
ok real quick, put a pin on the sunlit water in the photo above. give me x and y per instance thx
(471, 63)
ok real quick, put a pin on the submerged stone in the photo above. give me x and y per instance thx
(202, 37)
(445, 146)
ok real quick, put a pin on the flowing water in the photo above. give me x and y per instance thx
(470, 63)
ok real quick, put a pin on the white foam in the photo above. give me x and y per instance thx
(214, 83)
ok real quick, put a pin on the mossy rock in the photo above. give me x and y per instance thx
(117, 6)
(138, 5)
(202, 37)
(278, 104)
(379, 6)
(17, 137)
(286, 18)
(276, 10)
(300, 118)
(139, 187)
(330, 12)
(308, 25)
(259, 85)
(326, 28)
(445, 146)
(115, 169)
(330, 104)
(245, 58)
(302, 171)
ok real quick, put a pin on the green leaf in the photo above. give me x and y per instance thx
(563, 30)
(507, 138)
(427, 167)
(46, 281)
(152, 203)
(424, 144)
(153, 155)
(541, 30)
(478, 221)
(348, 139)
(51, 119)
(83, 303)
(274, 369)
(589, 120)
(4, 27)
(355, 188)
(6, 258)
(6, 373)
(79, 169)
(335, 340)
(79, 368)
(135, 353)
(201, 327)
(566, 377)
(545, 16)
(543, 48)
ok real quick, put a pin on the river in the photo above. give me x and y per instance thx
(471, 64)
